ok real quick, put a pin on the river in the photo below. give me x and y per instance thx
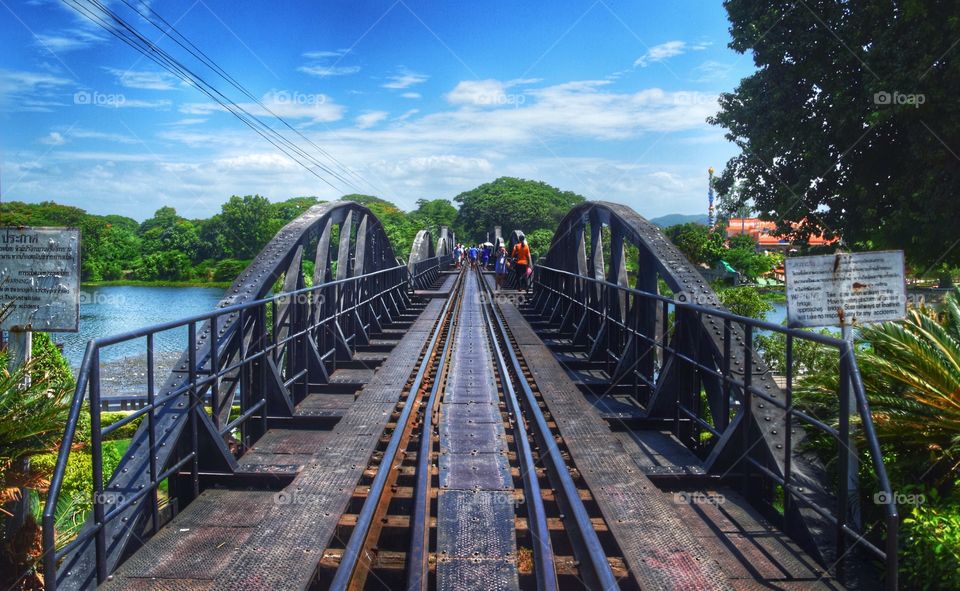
(111, 310)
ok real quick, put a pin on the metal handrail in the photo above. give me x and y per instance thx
(219, 343)
(850, 381)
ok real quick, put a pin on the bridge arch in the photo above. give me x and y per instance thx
(257, 350)
(668, 350)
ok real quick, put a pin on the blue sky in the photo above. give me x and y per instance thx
(421, 99)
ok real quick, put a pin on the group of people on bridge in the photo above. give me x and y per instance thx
(482, 256)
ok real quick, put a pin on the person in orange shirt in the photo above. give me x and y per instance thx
(521, 256)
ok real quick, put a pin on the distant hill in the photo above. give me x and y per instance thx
(672, 219)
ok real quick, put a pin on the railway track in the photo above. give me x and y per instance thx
(471, 482)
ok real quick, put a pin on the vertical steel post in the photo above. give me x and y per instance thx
(96, 456)
(196, 406)
(152, 435)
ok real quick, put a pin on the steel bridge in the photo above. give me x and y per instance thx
(387, 424)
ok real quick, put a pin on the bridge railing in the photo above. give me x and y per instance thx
(426, 272)
(656, 343)
(232, 354)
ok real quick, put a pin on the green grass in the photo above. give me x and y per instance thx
(158, 283)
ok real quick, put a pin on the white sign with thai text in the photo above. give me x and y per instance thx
(846, 289)
(40, 279)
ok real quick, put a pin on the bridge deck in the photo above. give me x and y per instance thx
(679, 536)
(268, 540)
(672, 525)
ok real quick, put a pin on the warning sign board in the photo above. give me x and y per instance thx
(846, 289)
(40, 279)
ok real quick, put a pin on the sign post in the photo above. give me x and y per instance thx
(39, 290)
(40, 281)
(846, 290)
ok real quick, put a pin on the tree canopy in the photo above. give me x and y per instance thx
(850, 122)
(169, 247)
(512, 204)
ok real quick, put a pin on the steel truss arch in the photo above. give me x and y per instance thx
(258, 351)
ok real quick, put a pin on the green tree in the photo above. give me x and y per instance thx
(512, 204)
(167, 232)
(850, 122)
(697, 242)
(246, 225)
(399, 227)
(743, 256)
(287, 211)
(745, 301)
(431, 214)
(539, 242)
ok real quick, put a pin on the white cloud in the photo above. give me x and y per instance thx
(326, 63)
(370, 119)
(406, 115)
(88, 134)
(664, 51)
(31, 91)
(126, 103)
(489, 93)
(190, 121)
(318, 108)
(144, 79)
(477, 92)
(67, 40)
(324, 71)
(269, 161)
(411, 95)
(322, 55)
(405, 79)
(713, 71)
(53, 138)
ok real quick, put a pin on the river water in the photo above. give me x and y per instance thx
(111, 310)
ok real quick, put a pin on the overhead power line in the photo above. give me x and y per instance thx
(120, 28)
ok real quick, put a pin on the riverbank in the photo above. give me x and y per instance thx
(158, 283)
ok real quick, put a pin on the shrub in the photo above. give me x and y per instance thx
(745, 301)
(229, 269)
(930, 558)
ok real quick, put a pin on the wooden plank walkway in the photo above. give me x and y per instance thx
(274, 540)
(669, 538)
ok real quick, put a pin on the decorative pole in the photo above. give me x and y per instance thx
(710, 197)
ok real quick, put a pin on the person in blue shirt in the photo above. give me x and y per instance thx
(473, 256)
(485, 256)
(501, 267)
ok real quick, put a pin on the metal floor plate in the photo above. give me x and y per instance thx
(473, 438)
(469, 472)
(475, 524)
(457, 414)
(466, 574)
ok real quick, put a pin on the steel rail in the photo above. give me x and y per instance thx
(600, 572)
(351, 554)
(537, 516)
(419, 555)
